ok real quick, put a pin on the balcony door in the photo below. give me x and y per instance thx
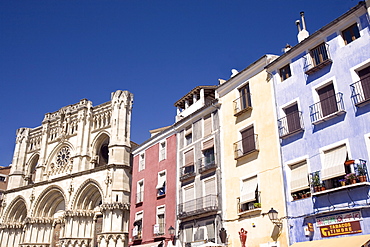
(245, 99)
(292, 117)
(365, 82)
(328, 101)
(248, 143)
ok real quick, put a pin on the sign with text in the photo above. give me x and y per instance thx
(340, 229)
(338, 218)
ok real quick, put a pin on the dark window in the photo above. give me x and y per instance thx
(285, 72)
(328, 101)
(245, 97)
(292, 116)
(365, 81)
(319, 54)
(350, 34)
(2, 179)
(248, 142)
(209, 156)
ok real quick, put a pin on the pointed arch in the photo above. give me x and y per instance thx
(60, 159)
(31, 167)
(100, 146)
(88, 196)
(51, 200)
(17, 211)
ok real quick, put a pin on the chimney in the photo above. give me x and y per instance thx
(302, 32)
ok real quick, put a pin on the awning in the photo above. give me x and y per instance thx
(354, 241)
(155, 244)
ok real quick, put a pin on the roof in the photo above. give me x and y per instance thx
(208, 91)
(318, 32)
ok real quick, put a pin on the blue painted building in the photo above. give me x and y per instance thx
(322, 93)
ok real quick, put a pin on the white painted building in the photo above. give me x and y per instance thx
(69, 183)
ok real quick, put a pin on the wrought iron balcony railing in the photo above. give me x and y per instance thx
(246, 146)
(247, 206)
(291, 124)
(317, 58)
(242, 104)
(187, 171)
(327, 108)
(361, 92)
(158, 229)
(197, 206)
(207, 163)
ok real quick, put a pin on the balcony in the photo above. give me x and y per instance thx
(361, 92)
(137, 236)
(317, 58)
(242, 104)
(249, 207)
(246, 146)
(290, 124)
(207, 164)
(158, 230)
(326, 109)
(360, 177)
(187, 171)
(198, 206)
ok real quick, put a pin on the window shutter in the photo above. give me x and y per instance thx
(334, 162)
(249, 190)
(161, 180)
(189, 158)
(208, 144)
(207, 125)
(299, 178)
(210, 187)
(188, 131)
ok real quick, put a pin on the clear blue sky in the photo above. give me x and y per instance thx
(54, 53)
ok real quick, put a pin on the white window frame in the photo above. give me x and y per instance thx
(138, 191)
(162, 156)
(158, 180)
(333, 146)
(161, 210)
(141, 161)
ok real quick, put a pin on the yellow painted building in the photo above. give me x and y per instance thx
(252, 174)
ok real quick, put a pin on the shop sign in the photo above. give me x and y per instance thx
(340, 229)
(338, 218)
(310, 227)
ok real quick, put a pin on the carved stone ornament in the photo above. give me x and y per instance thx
(63, 157)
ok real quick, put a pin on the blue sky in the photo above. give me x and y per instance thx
(54, 53)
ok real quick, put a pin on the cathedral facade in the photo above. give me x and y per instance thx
(69, 183)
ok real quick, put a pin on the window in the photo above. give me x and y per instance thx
(188, 136)
(162, 151)
(248, 143)
(364, 75)
(249, 196)
(188, 234)
(245, 97)
(293, 119)
(210, 226)
(285, 72)
(319, 54)
(299, 184)
(188, 197)
(334, 167)
(2, 178)
(141, 162)
(350, 34)
(140, 191)
(159, 228)
(208, 153)
(210, 187)
(207, 125)
(328, 100)
(189, 162)
(138, 226)
(161, 186)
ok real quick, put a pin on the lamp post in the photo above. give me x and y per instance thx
(171, 231)
(273, 216)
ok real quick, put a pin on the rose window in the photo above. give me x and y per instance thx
(63, 157)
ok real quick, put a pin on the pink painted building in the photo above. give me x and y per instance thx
(153, 191)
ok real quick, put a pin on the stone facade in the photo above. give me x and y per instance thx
(69, 183)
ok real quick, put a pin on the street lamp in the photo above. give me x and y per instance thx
(273, 216)
(171, 231)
